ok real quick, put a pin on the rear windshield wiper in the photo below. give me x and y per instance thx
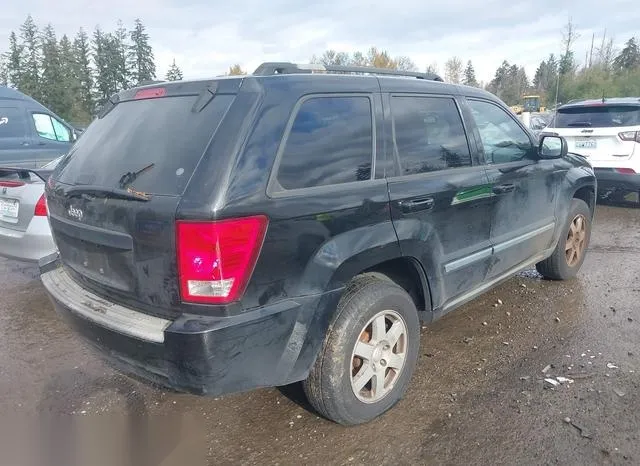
(130, 177)
(112, 193)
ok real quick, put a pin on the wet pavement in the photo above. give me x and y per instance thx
(478, 395)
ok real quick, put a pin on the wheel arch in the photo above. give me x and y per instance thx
(586, 193)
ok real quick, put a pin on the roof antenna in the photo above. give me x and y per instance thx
(603, 95)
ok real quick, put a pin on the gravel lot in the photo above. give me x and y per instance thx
(478, 396)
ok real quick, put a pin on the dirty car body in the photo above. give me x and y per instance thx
(227, 165)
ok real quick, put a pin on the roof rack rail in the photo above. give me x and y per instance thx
(271, 68)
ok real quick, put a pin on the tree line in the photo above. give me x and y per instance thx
(74, 76)
(605, 72)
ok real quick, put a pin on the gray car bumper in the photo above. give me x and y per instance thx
(29, 245)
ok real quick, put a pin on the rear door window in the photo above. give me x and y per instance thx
(162, 140)
(597, 116)
(11, 123)
(330, 142)
(428, 134)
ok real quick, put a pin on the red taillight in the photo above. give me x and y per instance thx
(216, 259)
(630, 136)
(11, 184)
(41, 207)
(626, 171)
(150, 93)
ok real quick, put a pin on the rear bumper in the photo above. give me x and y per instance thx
(609, 179)
(270, 346)
(30, 245)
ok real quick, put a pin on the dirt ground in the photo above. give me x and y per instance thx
(478, 395)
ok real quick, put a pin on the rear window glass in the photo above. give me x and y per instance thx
(162, 137)
(11, 123)
(331, 142)
(429, 135)
(601, 116)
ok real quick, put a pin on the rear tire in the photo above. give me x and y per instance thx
(369, 353)
(567, 258)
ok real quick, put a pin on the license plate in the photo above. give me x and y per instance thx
(586, 144)
(9, 208)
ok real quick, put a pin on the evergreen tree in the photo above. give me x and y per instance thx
(83, 75)
(4, 71)
(629, 57)
(14, 61)
(52, 87)
(470, 75)
(70, 84)
(174, 73)
(141, 55)
(30, 70)
(509, 83)
(105, 86)
(119, 51)
(567, 64)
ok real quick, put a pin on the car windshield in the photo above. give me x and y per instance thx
(597, 116)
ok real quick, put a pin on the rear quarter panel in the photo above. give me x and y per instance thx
(317, 239)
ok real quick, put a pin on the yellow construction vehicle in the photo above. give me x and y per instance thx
(532, 103)
(517, 109)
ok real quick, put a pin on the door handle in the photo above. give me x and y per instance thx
(41, 143)
(414, 205)
(504, 188)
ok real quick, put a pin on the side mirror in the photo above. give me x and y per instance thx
(552, 147)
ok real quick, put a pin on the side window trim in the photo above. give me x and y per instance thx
(473, 135)
(481, 150)
(274, 189)
(394, 148)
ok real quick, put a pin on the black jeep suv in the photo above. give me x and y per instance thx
(295, 225)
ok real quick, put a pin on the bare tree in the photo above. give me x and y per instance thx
(453, 70)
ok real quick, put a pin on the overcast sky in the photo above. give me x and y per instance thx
(207, 36)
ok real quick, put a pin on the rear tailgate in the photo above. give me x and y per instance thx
(599, 144)
(599, 132)
(113, 200)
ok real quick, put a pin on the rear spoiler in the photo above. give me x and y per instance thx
(26, 172)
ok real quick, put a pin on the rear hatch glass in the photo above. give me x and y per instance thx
(597, 116)
(155, 142)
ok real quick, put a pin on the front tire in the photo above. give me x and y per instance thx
(369, 353)
(567, 258)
